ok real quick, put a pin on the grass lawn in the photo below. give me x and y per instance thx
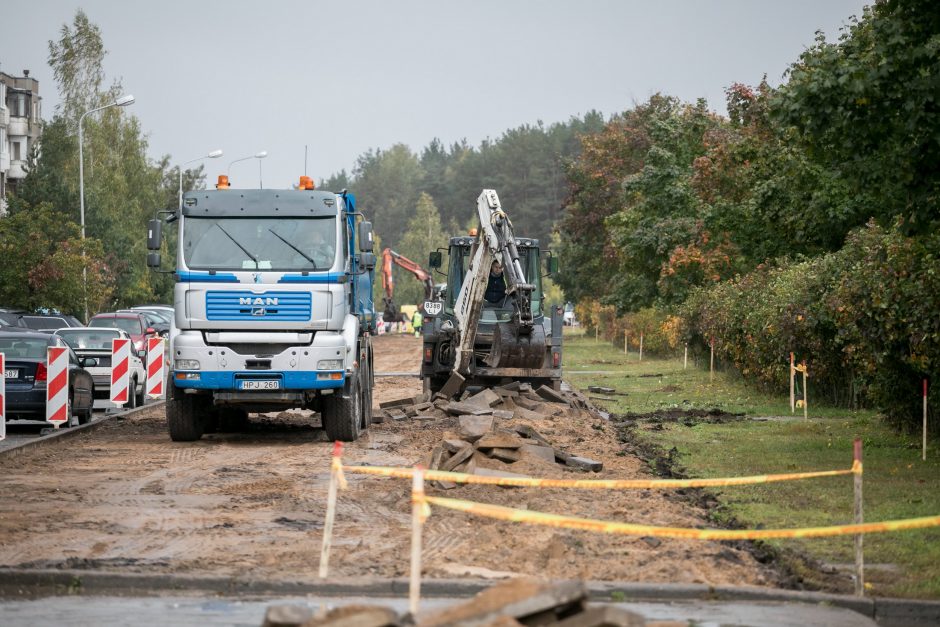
(897, 484)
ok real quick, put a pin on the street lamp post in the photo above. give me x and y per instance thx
(258, 155)
(215, 154)
(123, 101)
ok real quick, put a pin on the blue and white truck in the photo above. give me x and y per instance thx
(273, 308)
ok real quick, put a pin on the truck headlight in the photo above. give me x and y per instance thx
(187, 364)
(330, 364)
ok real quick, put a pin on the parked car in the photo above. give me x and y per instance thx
(10, 317)
(26, 375)
(568, 317)
(134, 323)
(48, 322)
(165, 309)
(95, 343)
(154, 319)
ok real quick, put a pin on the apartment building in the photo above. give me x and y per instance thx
(20, 128)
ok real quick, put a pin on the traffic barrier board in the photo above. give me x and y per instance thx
(57, 385)
(120, 370)
(155, 367)
(3, 397)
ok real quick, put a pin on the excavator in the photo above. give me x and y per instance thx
(390, 257)
(471, 341)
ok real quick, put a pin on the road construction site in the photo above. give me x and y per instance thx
(124, 498)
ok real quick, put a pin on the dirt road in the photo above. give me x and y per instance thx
(126, 498)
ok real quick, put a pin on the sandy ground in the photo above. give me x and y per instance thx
(125, 498)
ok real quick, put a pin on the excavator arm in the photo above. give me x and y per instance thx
(390, 257)
(519, 343)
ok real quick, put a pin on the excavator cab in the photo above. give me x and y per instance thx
(459, 252)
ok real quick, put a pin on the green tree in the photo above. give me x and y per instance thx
(866, 108)
(43, 263)
(423, 235)
(123, 188)
(387, 189)
(77, 62)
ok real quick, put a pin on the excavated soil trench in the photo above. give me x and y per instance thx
(125, 498)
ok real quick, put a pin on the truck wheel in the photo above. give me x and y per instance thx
(181, 419)
(139, 398)
(365, 385)
(342, 414)
(131, 395)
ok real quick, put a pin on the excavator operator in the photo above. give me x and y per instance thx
(495, 285)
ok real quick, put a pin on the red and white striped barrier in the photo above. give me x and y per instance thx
(3, 397)
(57, 385)
(120, 370)
(155, 348)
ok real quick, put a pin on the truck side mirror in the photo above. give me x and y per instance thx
(367, 260)
(154, 234)
(552, 265)
(366, 245)
(435, 259)
(153, 260)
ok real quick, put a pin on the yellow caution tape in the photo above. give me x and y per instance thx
(597, 484)
(569, 522)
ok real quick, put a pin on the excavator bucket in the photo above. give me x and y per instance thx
(512, 349)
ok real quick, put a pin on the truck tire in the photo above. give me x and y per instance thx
(140, 398)
(131, 395)
(365, 386)
(181, 417)
(342, 413)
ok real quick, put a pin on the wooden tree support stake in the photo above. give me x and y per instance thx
(418, 504)
(923, 454)
(685, 358)
(792, 385)
(805, 392)
(859, 518)
(711, 366)
(641, 347)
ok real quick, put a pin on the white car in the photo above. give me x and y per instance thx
(568, 317)
(95, 342)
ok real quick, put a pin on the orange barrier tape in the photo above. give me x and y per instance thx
(597, 484)
(569, 522)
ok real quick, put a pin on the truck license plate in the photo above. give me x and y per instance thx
(11, 374)
(260, 385)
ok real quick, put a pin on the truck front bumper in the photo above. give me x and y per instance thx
(231, 380)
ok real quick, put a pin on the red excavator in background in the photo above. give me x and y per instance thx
(390, 257)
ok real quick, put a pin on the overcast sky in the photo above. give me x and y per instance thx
(343, 77)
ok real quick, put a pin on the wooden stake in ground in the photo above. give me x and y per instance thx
(792, 384)
(685, 358)
(336, 469)
(595, 334)
(625, 349)
(859, 518)
(711, 367)
(641, 347)
(418, 505)
(805, 393)
(924, 446)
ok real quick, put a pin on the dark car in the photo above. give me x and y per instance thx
(135, 324)
(26, 375)
(11, 317)
(48, 322)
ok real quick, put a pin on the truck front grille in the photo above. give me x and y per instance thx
(269, 306)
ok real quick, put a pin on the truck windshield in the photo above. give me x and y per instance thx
(259, 243)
